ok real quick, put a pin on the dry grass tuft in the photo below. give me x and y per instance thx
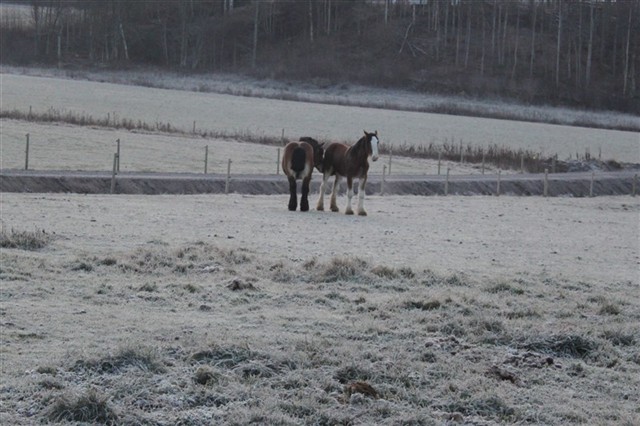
(352, 373)
(139, 358)
(620, 337)
(424, 305)
(89, 408)
(205, 376)
(503, 287)
(237, 284)
(343, 269)
(225, 357)
(24, 240)
(197, 257)
(570, 345)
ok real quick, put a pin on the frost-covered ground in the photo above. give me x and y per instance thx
(341, 94)
(262, 116)
(232, 310)
(66, 147)
(215, 309)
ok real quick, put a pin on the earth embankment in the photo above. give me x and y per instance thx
(564, 184)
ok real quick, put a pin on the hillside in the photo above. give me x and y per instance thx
(582, 54)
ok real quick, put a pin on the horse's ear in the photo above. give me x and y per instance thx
(365, 132)
(375, 133)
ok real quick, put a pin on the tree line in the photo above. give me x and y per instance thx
(577, 52)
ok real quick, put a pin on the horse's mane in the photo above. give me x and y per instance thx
(361, 144)
(311, 141)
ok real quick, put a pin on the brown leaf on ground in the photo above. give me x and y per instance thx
(363, 388)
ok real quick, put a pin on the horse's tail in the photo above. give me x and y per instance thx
(298, 160)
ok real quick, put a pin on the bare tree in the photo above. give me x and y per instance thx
(515, 49)
(534, 7)
(255, 35)
(625, 77)
(559, 38)
(590, 48)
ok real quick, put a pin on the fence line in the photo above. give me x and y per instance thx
(117, 157)
(206, 159)
(26, 154)
(226, 186)
(114, 173)
(545, 190)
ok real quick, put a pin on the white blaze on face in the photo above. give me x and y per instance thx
(374, 147)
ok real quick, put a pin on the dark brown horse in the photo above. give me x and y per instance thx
(352, 162)
(298, 162)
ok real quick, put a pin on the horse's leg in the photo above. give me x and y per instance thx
(304, 198)
(323, 184)
(334, 194)
(293, 197)
(360, 208)
(349, 210)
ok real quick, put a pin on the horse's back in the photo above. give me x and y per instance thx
(334, 156)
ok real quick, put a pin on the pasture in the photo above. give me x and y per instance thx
(230, 309)
(260, 116)
(233, 310)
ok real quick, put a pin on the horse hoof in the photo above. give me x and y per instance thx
(335, 209)
(348, 212)
(304, 208)
(362, 213)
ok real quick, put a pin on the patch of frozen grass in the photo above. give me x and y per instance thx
(24, 240)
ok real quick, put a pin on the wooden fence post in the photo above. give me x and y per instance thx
(384, 172)
(522, 163)
(226, 186)
(390, 158)
(498, 185)
(634, 185)
(113, 173)
(591, 184)
(206, 158)
(446, 183)
(26, 155)
(483, 160)
(439, 161)
(278, 163)
(545, 187)
(118, 152)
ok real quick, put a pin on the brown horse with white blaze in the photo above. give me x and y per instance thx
(351, 162)
(298, 162)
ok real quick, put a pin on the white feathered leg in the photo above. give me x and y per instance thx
(323, 184)
(349, 210)
(360, 208)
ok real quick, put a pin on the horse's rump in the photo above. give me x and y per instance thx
(298, 159)
(298, 163)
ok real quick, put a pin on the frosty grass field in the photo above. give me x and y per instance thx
(214, 309)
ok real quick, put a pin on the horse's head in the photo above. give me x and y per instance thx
(318, 151)
(372, 146)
